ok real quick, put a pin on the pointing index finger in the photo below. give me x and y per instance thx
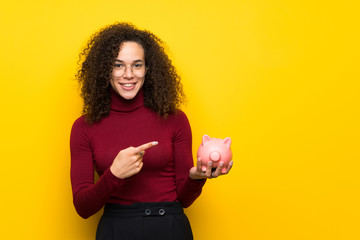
(146, 146)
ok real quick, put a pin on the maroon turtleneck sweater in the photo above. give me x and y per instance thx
(165, 173)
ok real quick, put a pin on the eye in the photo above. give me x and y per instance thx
(119, 65)
(138, 65)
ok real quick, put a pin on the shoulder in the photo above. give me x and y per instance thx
(179, 116)
(80, 126)
(179, 121)
(80, 122)
(80, 137)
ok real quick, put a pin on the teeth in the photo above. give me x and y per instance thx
(128, 84)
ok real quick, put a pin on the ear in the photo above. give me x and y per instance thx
(205, 139)
(227, 142)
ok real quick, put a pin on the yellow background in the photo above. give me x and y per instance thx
(280, 77)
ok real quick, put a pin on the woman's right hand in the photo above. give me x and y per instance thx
(128, 162)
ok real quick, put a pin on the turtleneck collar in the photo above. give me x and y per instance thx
(120, 104)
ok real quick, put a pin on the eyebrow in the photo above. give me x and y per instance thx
(138, 60)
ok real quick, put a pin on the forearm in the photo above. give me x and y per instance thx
(91, 198)
(188, 190)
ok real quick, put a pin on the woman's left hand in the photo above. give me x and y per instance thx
(197, 173)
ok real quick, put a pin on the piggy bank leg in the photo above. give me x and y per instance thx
(224, 169)
(203, 168)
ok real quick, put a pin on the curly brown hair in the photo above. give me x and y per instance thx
(163, 92)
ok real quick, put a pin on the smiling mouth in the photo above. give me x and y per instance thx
(127, 84)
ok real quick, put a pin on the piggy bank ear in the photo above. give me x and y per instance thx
(227, 142)
(205, 139)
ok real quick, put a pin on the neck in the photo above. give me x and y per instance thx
(120, 104)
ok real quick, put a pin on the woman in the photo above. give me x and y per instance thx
(132, 94)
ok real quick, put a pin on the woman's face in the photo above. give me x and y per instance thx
(129, 70)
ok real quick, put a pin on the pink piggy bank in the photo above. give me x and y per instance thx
(215, 150)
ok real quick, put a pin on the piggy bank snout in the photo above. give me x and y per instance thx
(215, 156)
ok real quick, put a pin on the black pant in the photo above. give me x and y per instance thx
(144, 221)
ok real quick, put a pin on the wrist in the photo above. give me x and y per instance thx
(114, 172)
(193, 175)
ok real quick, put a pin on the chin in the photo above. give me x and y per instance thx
(128, 95)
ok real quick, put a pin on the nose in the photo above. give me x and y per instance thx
(128, 74)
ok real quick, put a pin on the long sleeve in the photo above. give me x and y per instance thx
(188, 190)
(88, 197)
(164, 176)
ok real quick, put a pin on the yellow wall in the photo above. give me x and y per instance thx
(280, 77)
